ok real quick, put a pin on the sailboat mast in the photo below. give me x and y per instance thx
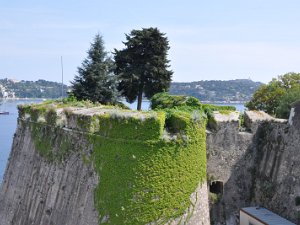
(62, 77)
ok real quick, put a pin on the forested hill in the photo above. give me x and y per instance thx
(217, 90)
(212, 90)
(31, 89)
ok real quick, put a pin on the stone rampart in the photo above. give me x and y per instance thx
(253, 165)
(102, 165)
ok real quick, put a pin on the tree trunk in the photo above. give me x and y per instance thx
(140, 96)
(139, 103)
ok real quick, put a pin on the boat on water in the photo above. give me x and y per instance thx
(4, 113)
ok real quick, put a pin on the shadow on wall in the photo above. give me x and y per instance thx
(257, 168)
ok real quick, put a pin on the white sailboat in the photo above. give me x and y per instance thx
(3, 112)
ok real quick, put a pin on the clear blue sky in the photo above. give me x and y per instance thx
(210, 40)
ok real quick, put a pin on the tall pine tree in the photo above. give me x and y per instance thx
(142, 67)
(95, 80)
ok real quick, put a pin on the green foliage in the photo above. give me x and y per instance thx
(23, 110)
(70, 98)
(185, 103)
(146, 181)
(181, 103)
(46, 142)
(177, 121)
(42, 143)
(242, 120)
(289, 80)
(142, 67)
(214, 198)
(164, 100)
(95, 80)
(51, 116)
(268, 97)
(148, 128)
(284, 106)
(36, 112)
(209, 109)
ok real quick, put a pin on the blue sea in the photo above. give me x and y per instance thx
(8, 125)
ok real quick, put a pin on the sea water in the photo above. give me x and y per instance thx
(8, 124)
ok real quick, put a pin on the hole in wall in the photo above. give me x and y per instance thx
(216, 187)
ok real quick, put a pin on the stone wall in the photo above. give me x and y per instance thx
(247, 165)
(277, 183)
(53, 176)
(229, 160)
(197, 214)
(36, 191)
(257, 164)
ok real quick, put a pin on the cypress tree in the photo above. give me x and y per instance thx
(142, 66)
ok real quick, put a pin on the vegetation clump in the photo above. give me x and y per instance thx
(142, 66)
(276, 97)
(165, 101)
(152, 179)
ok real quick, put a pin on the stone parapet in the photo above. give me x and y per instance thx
(255, 118)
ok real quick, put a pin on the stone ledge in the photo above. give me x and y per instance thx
(254, 118)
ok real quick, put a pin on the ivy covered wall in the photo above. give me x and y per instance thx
(148, 163)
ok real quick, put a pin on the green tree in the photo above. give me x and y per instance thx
(142, 66)
(95, 80)
(269, 96)
(284, 106)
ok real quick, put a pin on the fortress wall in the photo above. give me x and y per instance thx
(38, 191)
(102, 165)
(229, 160)
(258, 166)
(277, 184)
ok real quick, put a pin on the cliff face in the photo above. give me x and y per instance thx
(104, 166)
(38, 191)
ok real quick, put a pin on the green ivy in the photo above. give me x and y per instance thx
(51, 142)
(146, 181)
(149, 128)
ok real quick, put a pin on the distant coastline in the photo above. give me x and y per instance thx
(236, 91)
(123, 100)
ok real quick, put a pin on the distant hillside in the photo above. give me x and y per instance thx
(212, 90)
(217, 90)
(30, 89)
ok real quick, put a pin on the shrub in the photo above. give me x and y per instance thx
(284, 106)
(164, 100)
